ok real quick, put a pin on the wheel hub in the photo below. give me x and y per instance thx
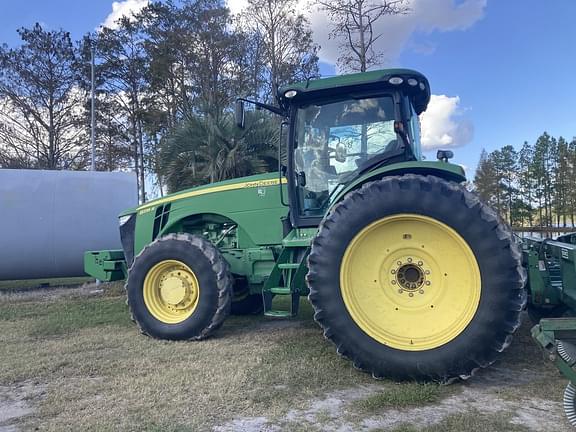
(171, 291)
(410, 275)
(174, 289)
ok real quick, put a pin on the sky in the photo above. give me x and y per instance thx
(501, 71)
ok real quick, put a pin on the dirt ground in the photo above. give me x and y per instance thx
(72, 360)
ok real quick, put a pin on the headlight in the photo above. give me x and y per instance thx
(123, 219)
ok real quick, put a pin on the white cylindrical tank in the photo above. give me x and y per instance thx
(48, 219)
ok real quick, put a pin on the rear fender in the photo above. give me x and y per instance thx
(447, 171)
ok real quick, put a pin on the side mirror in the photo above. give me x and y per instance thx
(444, 155)
(239, 113)
(341, 153)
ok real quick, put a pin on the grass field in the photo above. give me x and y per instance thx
(21, 285)
(72, 360)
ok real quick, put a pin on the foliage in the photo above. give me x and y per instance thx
(204, 150)
(162, 76)
(40, 103)
(284, 40)
(353, 22)
(531, 186)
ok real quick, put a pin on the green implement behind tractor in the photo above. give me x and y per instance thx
(410, 275)
(551, 266)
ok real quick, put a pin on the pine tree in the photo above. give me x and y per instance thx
(41, 102)
(485, 182)
(526, 182)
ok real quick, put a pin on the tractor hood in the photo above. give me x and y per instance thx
(260, 180)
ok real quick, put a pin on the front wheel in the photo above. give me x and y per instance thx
(179, 288)
(413, 277)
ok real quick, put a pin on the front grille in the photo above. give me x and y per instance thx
(127, 239)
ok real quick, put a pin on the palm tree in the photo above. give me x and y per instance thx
(205, 150)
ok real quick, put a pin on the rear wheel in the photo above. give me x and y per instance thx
(179, 287)
(413, 278)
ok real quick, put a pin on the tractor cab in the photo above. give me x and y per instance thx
(343, 127)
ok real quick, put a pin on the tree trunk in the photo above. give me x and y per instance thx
(362, 39)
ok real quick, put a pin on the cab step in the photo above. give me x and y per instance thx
(280, 290)
(278, 314)
(288, 266)
(269, 311)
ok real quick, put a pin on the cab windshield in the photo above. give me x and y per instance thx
(335, 139)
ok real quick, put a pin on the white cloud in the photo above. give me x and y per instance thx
(442, 124)
(123, 8)
(236, 6)
(425, 17)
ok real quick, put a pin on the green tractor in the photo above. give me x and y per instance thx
(410, 275)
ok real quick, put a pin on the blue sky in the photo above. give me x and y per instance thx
(514, 71)
(510, 63)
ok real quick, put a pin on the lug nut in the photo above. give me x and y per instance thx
(409, 260)
(393, 282)
(427, 282)
(400, 290)
(420, 263)
(421, 291)
(411, 294)
(393, 271)
(427, 272)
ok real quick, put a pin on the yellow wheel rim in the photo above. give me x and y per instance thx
(171, 291)
(411, 282)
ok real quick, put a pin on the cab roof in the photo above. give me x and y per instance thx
(363, 81)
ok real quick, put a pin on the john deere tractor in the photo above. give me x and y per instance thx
(410, 275)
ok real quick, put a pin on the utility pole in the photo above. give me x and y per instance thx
(93, 110)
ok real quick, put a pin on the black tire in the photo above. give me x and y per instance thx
(244, 303)
(214, 279)
(502, 296)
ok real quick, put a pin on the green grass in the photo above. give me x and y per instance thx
(469, 422)
(95, 371)
(402, 396)
(35, 283)
(66, 317)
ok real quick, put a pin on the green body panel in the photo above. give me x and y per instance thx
(547, 334)
(252, 203)
(551, 268)
(105, 266)
(441, 169)
(300, 237)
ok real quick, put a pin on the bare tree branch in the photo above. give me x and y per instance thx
(353, 22)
